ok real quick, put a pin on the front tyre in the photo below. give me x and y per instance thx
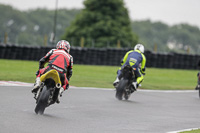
(42, 101)
(120, 89)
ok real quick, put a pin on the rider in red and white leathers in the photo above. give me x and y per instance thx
(58, 59)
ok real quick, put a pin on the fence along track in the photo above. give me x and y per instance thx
(102, 56)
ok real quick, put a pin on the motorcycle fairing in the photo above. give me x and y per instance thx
(53, 74)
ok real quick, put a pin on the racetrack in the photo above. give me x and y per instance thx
(87, 110)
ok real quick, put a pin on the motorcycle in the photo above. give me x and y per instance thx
(125, 88)
(198, 83)
(48, 91)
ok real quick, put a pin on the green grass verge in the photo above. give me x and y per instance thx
(192, 131)
(102, 76)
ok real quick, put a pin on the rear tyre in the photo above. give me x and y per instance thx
(120, 88)
(42, 101)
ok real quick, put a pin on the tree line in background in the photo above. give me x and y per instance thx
(35, 27)
(102, 23)
(32, 27)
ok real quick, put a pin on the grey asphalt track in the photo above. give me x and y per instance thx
(89, 110)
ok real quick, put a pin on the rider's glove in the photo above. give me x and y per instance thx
(37, 73)
(142, 71)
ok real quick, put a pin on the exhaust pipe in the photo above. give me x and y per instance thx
(58, 85)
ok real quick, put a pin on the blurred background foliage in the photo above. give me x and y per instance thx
(102, 23)
(99, 24)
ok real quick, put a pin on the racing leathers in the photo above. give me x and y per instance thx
(59, 60)
(137, 61)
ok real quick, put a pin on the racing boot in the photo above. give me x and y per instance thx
(60, 94)
(197, 87)
(135, 85)
(116, 82)
(36, 85)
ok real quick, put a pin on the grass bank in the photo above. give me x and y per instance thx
(192, 131)
(102, 76)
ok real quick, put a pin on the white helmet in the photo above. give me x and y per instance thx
(139, 47)
(63, 45)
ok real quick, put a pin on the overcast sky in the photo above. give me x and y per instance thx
(167, 11)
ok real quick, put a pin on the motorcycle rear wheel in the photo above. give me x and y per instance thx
(120, 89)
(42, 101)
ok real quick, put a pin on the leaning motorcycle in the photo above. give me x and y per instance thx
(48, 92)
(125, 88)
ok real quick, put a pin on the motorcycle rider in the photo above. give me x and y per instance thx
(137, 60)
(60, 60)
(198, 77)
(198, 81)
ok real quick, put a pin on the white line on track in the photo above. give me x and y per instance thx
(14, 83)
(141, 90)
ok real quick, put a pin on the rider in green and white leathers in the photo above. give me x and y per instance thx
(137, 60)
